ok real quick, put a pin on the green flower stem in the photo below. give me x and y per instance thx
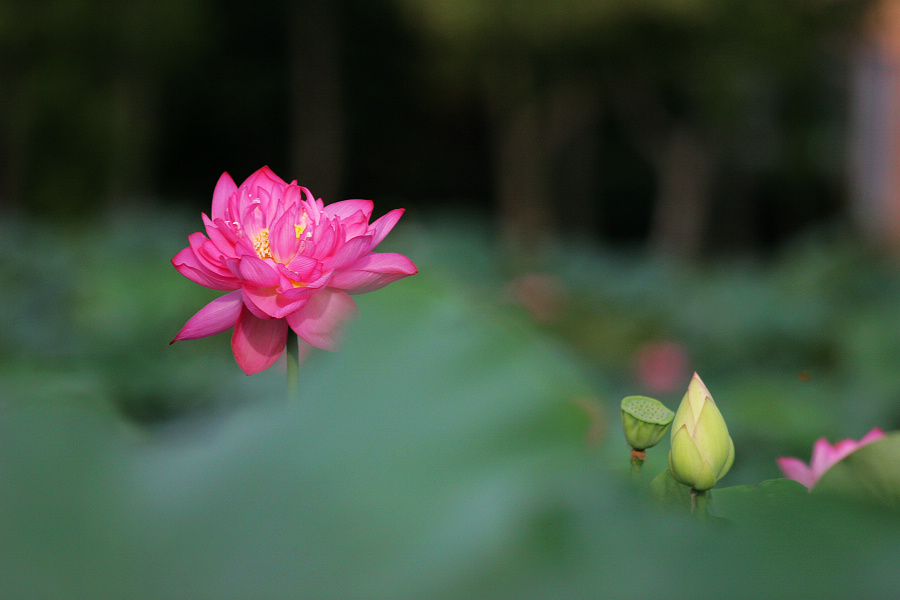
(700, 503)
(293, 366)
(637, 461)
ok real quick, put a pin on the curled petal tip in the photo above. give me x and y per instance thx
(824, 456)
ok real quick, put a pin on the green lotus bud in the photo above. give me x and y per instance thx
(702, 451)
(645, 421)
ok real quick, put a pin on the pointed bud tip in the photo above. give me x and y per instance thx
(702, 451)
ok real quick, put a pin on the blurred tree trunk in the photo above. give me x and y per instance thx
(133, 124)
(574, 147)
(683, 164)
(317, 111)
(875, 127)
(681, 209)
(545, 159)
(14, 147)
(521, 155)
(521, 179)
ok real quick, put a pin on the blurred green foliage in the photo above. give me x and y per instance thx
(456, 447)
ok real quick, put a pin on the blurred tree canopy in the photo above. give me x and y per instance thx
(728, 106)
(82, 85)
(629, 120)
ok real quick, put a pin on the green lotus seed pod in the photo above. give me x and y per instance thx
(645, 421)
(702, 451)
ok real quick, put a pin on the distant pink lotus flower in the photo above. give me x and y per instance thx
(661, 366)
(824, 456)
(291, 262)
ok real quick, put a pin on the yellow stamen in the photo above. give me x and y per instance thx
(300, 228)
(261, 244)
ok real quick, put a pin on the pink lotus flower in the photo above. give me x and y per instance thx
(661, 366)
(291, 262)
(824, 456)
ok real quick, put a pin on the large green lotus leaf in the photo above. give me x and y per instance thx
(741, 504)
(414, 456)
(871, 473)
(748, 503)
(669, 492)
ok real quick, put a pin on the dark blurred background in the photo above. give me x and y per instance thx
(688, 126)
